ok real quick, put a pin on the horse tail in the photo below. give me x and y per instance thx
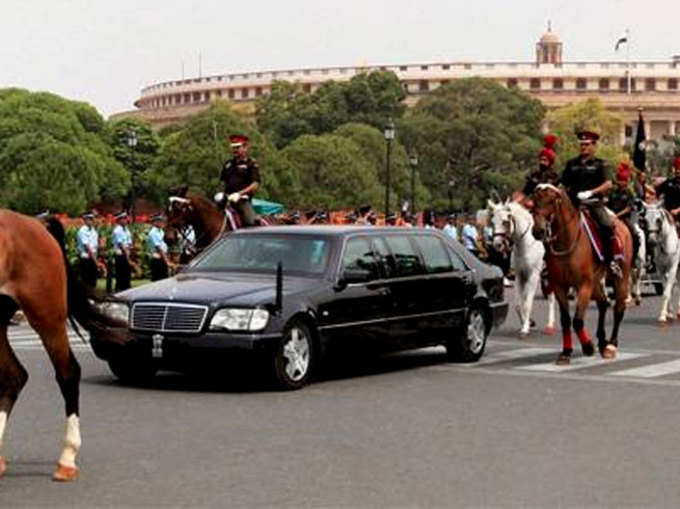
(83, 301)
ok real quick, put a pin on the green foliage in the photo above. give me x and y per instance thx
(52, 155)
(288, 112)
(661, 154)
(333, 173)
(473, 136)
(592, 115)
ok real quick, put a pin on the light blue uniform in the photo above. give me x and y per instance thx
(87, 236)
(155, 241)
(451, 231)
(121, 238)
(469, 234)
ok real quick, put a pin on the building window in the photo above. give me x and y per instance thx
(424, 85)
(231, 93)
(423, 68)
(343, 70)
(187, 98)
(512, 83)
(403, 68)
(178, 99)
(467, 66)
(673, 84)
(274, 74)
(306, 72)
(650, 84)
(307, 88)
(206, 96)
(629, 131)
(623, 84)
(324, 71)
(446, 67)
(558, 83)
(258, 91)
(219, 78)
(196, 97)
(444, 82)
(245, 76)
(604, 66)
(603, 84)
(581, 83)
(244, 93)
(259, 74)
(535, 83)
(219, 93)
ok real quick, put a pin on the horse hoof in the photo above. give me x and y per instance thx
(588, 349)
(609, 352)
(549, 330)
(563, 360)
(3, 466)
(65, 474)
(523, 335)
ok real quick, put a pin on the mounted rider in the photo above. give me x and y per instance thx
(622, 202)
(240, 179)
(587, 181)
(670, 191)
(544, 174)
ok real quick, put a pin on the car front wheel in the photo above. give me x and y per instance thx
(294, 356)
(469, 345)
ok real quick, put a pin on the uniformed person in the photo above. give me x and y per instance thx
(669, 190)
(157, 248)
(588, 181)
(121, 240)
(240, 179)
(545, 173)
(622, 202)
(87, 245)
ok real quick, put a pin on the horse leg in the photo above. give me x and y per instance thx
(600, 295)
(582, 301)
(67, 370)
(13, 375)
(522, 307)
(530, 292)
(564, 357)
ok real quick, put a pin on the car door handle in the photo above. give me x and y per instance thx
(466, 278)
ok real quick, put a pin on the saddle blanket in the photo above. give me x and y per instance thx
(593, 231)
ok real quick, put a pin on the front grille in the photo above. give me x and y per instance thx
(164, 317)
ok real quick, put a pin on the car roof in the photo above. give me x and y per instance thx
(328, 229)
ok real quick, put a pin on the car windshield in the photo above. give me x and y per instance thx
(305, 254)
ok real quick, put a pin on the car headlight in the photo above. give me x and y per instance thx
(240, 319)
(116, 310)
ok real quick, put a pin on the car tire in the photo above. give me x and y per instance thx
(469, 344)
(294, 357)
(132, 371)
(658, 288)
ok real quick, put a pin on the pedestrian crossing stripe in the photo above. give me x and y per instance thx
(652, 370)
(581, 363)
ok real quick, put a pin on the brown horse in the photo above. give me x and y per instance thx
(35, 277)
(572, 264)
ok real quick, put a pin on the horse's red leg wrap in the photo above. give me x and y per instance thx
(566, 340)
(583, 336)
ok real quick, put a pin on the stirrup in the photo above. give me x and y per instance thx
(615, 269)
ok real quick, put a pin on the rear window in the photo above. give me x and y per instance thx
(358, 255)
(435, 254)
(406, 258)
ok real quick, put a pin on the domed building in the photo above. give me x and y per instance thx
(653, 85)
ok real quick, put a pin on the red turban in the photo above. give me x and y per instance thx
(676, 163)
(623, 172)
(548, 150)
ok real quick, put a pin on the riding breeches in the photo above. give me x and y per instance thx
(246, 211)
(606, 223)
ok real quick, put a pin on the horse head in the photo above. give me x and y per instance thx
(179, 213)
(502, 226)
(547, 199)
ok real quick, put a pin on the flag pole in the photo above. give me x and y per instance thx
(628, 58)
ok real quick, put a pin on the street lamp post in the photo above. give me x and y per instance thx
(389, 136)
(452, 184)
(132, 143)
(413, 160)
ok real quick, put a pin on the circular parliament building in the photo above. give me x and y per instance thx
(653, 86)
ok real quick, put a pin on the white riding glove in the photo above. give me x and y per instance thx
(234, 197)
(584, 195)
(219, 197)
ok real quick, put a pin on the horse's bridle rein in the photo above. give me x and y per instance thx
(507, 235)
(550, 219)
(180, 227)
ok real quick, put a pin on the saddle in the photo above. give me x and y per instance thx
(594, 235)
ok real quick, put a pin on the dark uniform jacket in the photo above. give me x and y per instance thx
(582, 175)
(539, 177)
(619, 199)
(670, 189)
(237, 174)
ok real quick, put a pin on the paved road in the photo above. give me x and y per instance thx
(404, 430)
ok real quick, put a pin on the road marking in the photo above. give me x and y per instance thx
(509, 355)
(651, 371)
(580, 363)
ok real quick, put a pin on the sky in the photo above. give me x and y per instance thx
(105, 51)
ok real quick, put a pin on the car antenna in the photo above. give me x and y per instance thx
(278, 304)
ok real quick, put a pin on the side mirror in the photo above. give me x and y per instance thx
(353, 276)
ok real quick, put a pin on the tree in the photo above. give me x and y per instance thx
(473, 136)
(52, 154)
(288, 112)
(194, 156)
(661, 154)
(590, 114)
(333, 173)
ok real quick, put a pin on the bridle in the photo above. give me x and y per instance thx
(550, 220)
(507, 236)
(178, 220)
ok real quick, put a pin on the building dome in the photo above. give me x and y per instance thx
(550, 37)
(549, 48)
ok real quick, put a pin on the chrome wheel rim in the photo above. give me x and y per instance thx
(476, 332)
(296, 353)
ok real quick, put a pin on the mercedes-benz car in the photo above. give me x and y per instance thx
(289, 296)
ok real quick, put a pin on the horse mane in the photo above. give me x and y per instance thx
(518, 209)
(547, 185)
(201, 200)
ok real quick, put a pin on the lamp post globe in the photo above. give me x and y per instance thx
(132, 143)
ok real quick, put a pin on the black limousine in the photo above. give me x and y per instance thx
(293, 294)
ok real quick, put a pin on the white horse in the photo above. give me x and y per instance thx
(512, 226)
(664, 237)
(639, 266)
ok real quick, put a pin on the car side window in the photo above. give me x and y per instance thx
(359, 255)
(385, 259)
(406, 258)
(436, 256)
(458, 263)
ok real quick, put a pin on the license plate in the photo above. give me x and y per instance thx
(157, 346)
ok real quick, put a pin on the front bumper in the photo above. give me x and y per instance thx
(499, 312)
(186, 352)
